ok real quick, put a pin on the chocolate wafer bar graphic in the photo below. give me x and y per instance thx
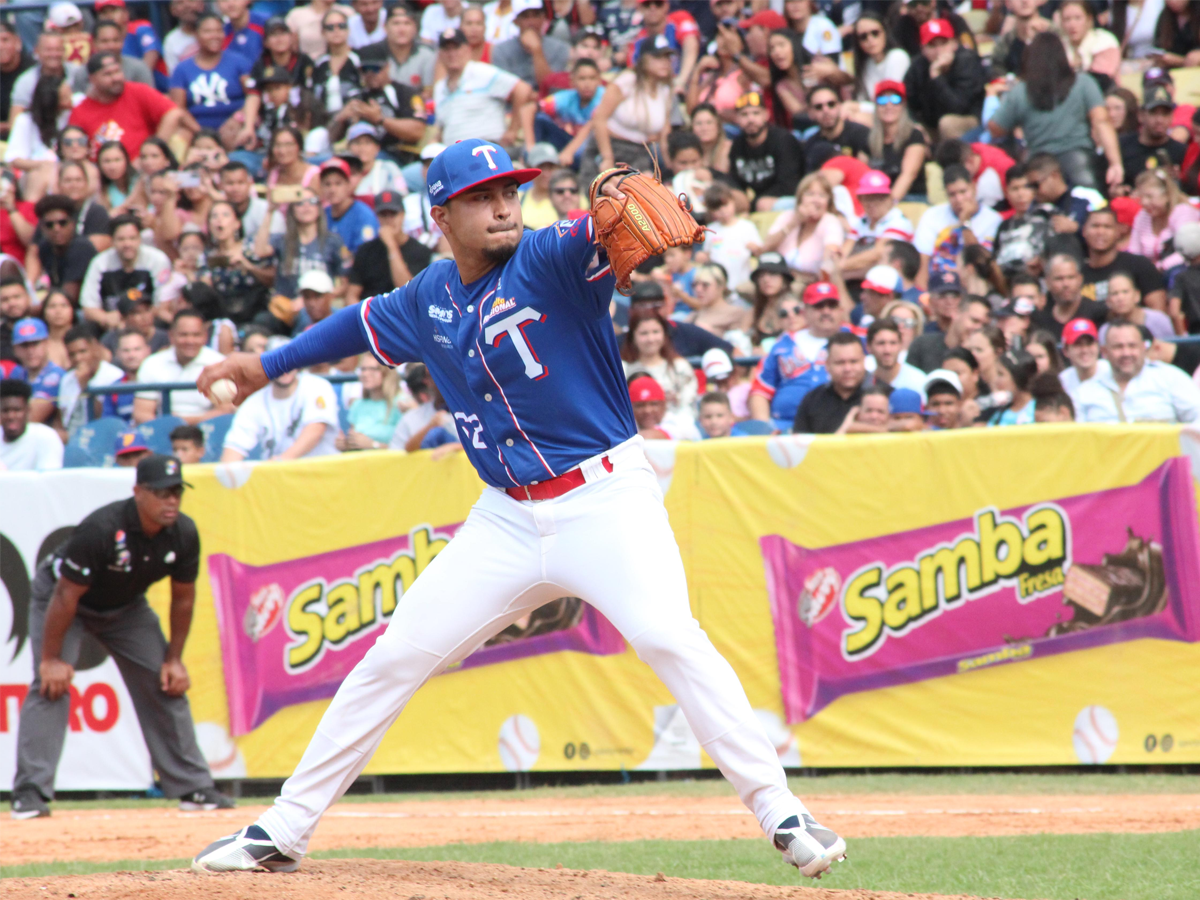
(1127, 585)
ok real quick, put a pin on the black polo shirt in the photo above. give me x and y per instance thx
(71, 265)
(111, 555)
(372, 270)
(823, 410)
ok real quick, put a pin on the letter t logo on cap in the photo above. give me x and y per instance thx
(487, 151)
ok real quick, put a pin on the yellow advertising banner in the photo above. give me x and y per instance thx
(1016, 596)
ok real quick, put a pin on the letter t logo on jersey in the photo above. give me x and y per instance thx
(514, 327)
(487, 152)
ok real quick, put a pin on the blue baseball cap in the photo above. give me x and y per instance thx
(26, 331)
(945, 283)
(469, 164)
(905, 400)
(129, 442)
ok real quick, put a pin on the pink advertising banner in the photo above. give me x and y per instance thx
(1000, 587)
(291, 631)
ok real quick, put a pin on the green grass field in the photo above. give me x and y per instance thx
(1045, 867)
(1030, 867)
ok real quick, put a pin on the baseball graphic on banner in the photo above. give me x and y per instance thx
(1095, 736)
(519, 743)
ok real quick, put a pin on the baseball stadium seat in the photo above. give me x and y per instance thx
(75, 457)
(214, 436)
(96, 439)
(157, 432)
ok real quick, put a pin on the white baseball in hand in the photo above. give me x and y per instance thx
(222, 391)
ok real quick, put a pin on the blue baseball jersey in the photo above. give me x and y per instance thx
(247, 41)
(794, 366)
(357, 225)
(525, 358)
(45, 385)
(140, 39)
(213, 95)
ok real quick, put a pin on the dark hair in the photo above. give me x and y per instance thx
(107, 23)
(105, 181)
(683, 140)
(207, 14)
(1168, 34)
(564, 174)
(716, 397)
(1124, 273)
(1043, 162)
(996, 338)
(882, 325)
(716, 196)
(1024, 278)
(1049, 343)
(291, 129)
(255, 329)
(844, 338)
(1047, 72)
(584, 63)
(124, 219)
(15, 387)
(962, 353)
(1048, 394)
(188, 314)
(1130, 123)
(155, 141)
(981, 260)
(241, 229)
(820, 86)
(954, 174)
(1021, 366)
(1102, 211)
(43, 107)
(800, 55)
(1016, 170)
(860, 58)
(953, 152)
(706, 107)
(203, 299)
(6, 24)
(130, 332)
(878, 390)
(234, 166)
(908, 256)
(191, 433)
(417, 379)
(84, 331)
(211, 134)
(59, 293)
(629, 351)
(14, 279)
(941, 387)
(51, 202)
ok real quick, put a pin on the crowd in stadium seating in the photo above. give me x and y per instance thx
(921, 215)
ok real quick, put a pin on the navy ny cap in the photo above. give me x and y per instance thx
(468, 164)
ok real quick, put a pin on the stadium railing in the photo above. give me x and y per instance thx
(165, 388)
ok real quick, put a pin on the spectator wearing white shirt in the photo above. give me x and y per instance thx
(883, 343)
(182, 361)
(128, 265)
(294, 416)
(416, 420)
(1136, 390)
(180, 42)
(378, 175)
(366, 25)
(89, 368)
(730, 240)
(474, 98)
(945, 229)
(24, 445)
(438, 17)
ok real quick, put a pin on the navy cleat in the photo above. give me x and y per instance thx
(809, 847)
(250, 850)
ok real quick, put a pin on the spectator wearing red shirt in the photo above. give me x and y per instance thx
(17, 218)
(129, 113)
(679, 28)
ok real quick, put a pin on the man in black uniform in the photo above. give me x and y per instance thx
(97, 581)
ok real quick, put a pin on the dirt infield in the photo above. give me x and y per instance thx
(166, 833)
(320, 880)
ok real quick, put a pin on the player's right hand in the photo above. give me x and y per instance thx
(55, 676)
(244, 369)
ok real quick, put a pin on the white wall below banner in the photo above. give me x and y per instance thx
(104, 749)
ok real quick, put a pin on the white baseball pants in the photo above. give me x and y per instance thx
(608, 542)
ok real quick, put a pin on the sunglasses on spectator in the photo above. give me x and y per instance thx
(56, 223)
(889, 100)
(832, 104)
(164, 493)
(655, 3)
(566, 190)
(74, 142)
(309, 201)
(826, 304)
(904, 321)
(335, 26)
(790, 311)
(873, 33)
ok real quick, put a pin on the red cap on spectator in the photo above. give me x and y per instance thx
(645, 389)
(935, 28)
(1126, 209)
(891, 87)
(101, 4)
(874, 182)
(1077, 328)
(336, 165)
(767, 18)
(819, 291)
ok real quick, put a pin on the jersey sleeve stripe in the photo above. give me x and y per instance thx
(372, 338)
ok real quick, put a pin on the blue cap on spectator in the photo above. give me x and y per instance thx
(469, 164)
(129, 442)
(945, 283)
(905, 400)
(26, 331)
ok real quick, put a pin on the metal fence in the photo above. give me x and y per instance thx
(164, 389)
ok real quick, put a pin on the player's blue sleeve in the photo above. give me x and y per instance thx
(567, 251)
(390, 321)
(335, 338)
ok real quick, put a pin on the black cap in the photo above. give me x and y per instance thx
(658, 45)
(275, 23)
(452, 36)
(160, 471)
(389, 201)
(647, 291)
(128, 304)
(98, 61)
(1156, 97)
(275, 75)
(373, 56)
(772, 262)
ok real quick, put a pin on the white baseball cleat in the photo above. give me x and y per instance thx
(808, 846)
(250, 850)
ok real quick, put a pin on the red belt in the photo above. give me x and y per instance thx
(555, 487)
